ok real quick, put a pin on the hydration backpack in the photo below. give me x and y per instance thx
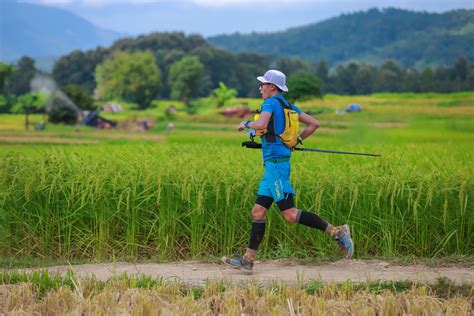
(289, 136)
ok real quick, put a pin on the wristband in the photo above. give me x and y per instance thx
(300, 140)
(246, 124)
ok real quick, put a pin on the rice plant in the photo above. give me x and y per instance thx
(182, 201)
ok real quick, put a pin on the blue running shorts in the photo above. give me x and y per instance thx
(276, 180)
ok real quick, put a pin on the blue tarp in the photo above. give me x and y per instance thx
(353, 108)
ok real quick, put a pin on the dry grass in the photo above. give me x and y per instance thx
(218, 298)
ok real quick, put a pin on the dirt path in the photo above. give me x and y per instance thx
(285, 271)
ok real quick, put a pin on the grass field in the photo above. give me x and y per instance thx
(40, 293)
(74, 192)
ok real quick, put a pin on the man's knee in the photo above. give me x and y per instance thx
(290, 215)
(258, 212)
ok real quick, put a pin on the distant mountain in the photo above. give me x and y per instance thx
(411, 38)
(42, 31)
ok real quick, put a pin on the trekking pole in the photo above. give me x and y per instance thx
(255, 145)
(336, 152)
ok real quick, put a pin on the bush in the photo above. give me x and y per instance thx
(59, 111)
(223, 94)
(79, 96)
(193, 107)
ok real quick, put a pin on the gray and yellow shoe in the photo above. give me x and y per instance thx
(239, 262)
(343, 238)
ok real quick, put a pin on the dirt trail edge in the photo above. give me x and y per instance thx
(265, 272)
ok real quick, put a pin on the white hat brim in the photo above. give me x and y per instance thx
(263, 80)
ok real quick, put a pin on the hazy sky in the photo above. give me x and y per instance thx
(211, 17)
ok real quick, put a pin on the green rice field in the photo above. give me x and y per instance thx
(187, 194)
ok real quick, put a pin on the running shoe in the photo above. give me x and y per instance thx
(343, 238)
(239, 262)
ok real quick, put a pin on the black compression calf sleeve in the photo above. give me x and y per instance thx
(311, 220)
(256, 234)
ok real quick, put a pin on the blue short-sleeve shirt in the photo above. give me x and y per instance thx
(276, 150)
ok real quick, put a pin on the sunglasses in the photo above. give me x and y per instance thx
(262, 84)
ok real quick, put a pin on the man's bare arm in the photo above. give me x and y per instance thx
(311, 125)
(261, 123)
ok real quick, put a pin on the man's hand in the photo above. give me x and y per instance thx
(299, 142)
(241, 126)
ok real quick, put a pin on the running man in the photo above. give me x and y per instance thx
(275, 185)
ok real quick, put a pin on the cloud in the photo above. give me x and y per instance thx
(90, 3)
(259, 4)
(224, 3)
(208, 3)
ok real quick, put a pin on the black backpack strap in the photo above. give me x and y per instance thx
(283, 103)
(270, 135)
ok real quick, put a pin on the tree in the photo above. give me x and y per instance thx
(412, 81)
(79, 68)
(322, 70)
(364, 79)
(303, 86)
(344, 80)
(219, 66)
(470, 78)
(223, 94)
(427, 80)
(461, 68)
(29, 103)
(61, 111)
(445, 80)
(389, 77)
(79, 96)
(19, 82)
(249, 65)
(292, 65)
(130, 76)
(165, 59)
(235, 70)
(4, 104)
(184, 78)
(5, 72)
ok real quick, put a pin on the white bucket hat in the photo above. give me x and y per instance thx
(274, 77)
